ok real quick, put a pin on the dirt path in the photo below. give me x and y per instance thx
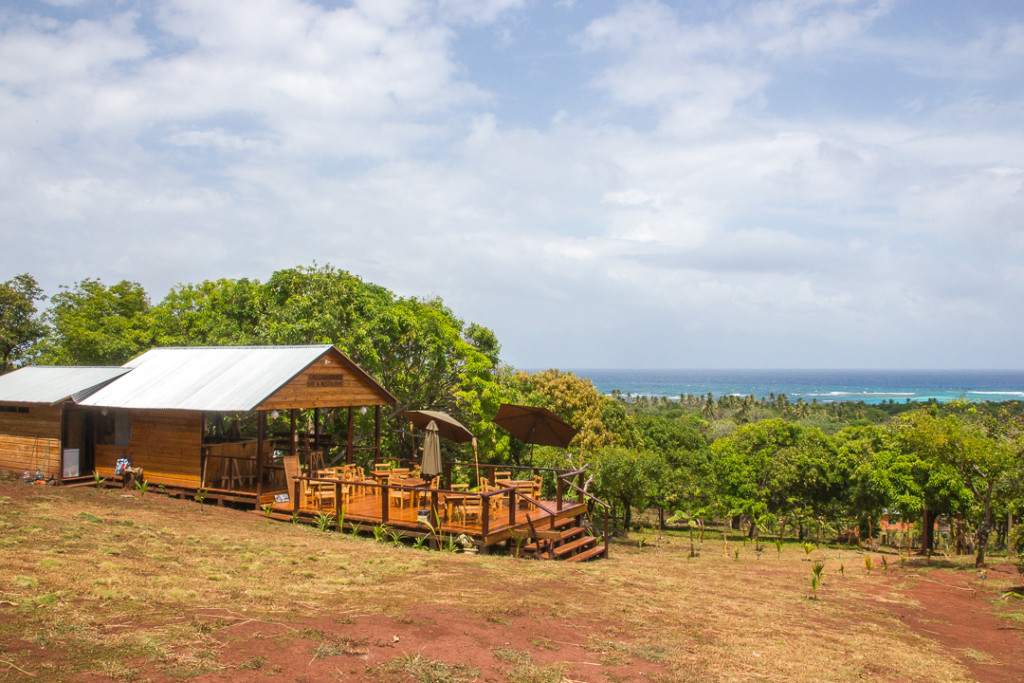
(959, 611)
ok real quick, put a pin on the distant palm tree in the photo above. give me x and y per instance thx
(802, 409)
(708, 410)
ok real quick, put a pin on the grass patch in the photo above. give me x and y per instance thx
(525, 670)
(344, 645)
(415, 667)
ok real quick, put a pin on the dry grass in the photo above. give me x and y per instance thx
(95, 583)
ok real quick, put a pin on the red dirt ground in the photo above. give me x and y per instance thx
(955, 608)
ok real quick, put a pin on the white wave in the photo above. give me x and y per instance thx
(997, 393)
(866, 393)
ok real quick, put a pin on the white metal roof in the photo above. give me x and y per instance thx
(53, 384)
(220, 378)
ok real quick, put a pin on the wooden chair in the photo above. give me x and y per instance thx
(292, 470)
(472, 506)
(538, 486)
(502, 476)
(486, 487)
(526, 488)
(399, 495)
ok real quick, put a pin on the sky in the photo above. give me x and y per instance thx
(636, 184)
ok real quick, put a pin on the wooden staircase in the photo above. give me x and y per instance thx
(564, 542)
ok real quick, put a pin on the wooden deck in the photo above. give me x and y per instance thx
(435, 513)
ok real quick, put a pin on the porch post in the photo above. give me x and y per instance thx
(261, 426)
(316, 434)
(376, 434)
(350, 437)
(294, 448)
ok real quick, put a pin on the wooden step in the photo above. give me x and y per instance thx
(531, 550)
(595, 552)
(570, 533)
(569, 548)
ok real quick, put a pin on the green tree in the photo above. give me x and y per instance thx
(20, 324)
(971, 450)
(628, 477)
(774, 467)
(881, 478)
(211, 313)
(92, 324)
(417, 348)
(687, 482)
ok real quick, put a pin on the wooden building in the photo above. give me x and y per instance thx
(160, 412)
(42, 429)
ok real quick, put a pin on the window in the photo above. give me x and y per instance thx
(114, 428)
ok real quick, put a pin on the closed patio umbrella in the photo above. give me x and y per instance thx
(431, 452)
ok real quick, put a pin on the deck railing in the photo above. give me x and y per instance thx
(565, 480)
(512, 495)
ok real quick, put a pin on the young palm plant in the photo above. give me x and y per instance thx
(323, 521)
(817, 571)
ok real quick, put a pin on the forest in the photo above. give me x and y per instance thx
(823, 471)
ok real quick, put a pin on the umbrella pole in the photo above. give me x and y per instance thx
(476, 459)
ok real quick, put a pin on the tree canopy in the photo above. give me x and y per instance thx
(20, 325)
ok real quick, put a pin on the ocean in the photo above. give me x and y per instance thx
(869, 386)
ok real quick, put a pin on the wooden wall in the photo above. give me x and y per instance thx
(31, 440)
(166, 444)
(329, 382)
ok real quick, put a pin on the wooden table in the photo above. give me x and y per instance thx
(456, 500)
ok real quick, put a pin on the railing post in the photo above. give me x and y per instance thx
(512, 507)
(337, 504)
(434, 516)
(296, 493)
(581, 482)
(558, 497)
(485, 515)
(384, 503)
(606, 533)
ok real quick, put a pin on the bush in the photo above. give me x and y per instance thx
(1016, 546)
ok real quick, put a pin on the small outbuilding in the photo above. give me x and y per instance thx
(176, 414)
(42, 429)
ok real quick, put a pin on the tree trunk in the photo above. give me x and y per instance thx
(984, 527)
(927, 532)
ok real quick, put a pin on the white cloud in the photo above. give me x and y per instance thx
(666, 211)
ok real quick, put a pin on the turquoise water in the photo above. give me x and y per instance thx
(869, 386)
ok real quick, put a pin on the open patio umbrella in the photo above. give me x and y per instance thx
(534, 426)
(447, 426)
(431, 452)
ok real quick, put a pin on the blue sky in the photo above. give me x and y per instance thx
(791, 183)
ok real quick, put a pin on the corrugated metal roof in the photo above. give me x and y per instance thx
(230, 379)
(53, 384)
